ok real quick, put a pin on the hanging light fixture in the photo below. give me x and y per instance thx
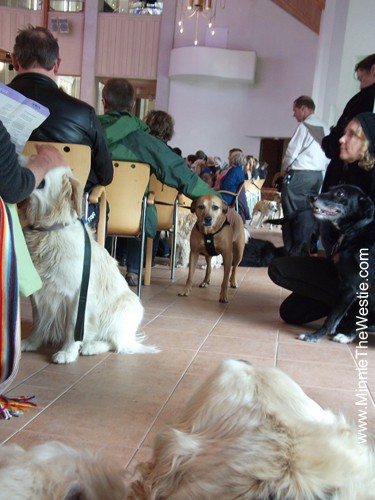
(199, 8)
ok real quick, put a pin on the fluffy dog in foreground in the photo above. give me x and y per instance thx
(213, 234)
(54, 471)
(353, 214)
(252, 433)
(55, 239)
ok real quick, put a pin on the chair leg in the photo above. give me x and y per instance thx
(148, 264)
(174, 239)
(142, 252)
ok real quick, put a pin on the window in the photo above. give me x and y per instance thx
(23, 4)
(133, 7)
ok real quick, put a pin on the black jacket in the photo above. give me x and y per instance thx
(361, 102)
(70, 120)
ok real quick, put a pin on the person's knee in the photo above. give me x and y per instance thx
(274, 270)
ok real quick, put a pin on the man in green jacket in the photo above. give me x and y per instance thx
(128, 138)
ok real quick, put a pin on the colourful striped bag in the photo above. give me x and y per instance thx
(9, 321)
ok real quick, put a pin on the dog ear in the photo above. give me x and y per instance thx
(193, 206)
(367, 207)
(76, 195)
(225, 207)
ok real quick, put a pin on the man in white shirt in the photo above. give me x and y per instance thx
(304, 165)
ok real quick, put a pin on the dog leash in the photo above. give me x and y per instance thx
(209, 239)
(80, 322)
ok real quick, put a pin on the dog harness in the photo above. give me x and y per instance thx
(209, 239)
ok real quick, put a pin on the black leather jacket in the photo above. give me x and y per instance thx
(70, 120)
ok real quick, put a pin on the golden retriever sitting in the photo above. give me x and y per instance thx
(54, 471)
(213, 235)
(55, 238)
(252, 433)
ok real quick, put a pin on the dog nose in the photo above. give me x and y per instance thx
(208, 220)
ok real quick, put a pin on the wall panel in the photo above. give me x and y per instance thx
(127, 46)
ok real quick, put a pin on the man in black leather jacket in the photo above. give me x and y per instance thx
(36, 59)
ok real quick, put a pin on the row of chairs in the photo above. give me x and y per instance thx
(128, 198)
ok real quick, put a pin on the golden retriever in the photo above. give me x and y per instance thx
(55, 239)
(212, 235)
(54, 471)
(252, 433)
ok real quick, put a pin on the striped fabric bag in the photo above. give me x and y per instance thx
(9, 321)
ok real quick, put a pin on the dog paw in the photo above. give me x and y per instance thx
(308, 337)
(27, 346)
(92, 348)
(184, 293)
(223, 300)
(341, 338)
(68, 356)
(204, 284)
(233, 284)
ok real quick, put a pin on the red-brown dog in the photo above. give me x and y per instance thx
(213, 235)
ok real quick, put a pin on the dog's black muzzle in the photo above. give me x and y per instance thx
(207, 221)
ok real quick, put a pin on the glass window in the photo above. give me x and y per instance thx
(133, 7)
(69, 84)
(66, 5)
(23, 4)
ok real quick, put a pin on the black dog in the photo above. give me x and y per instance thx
(260, 253)
(304, 228)
(352, 212)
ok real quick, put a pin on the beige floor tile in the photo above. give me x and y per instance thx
(117, 403)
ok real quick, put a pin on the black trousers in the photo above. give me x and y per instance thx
(295, 195)
(313, 282)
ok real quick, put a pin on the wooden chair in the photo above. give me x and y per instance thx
(78, 157)
(127, 205)
(236, 194)
(165, 199)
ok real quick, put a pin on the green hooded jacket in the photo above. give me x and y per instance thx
(128, 139)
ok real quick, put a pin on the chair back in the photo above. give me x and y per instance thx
(184, 201)
(125, 197)
(165, 200)
(77, 156)
(235, 195)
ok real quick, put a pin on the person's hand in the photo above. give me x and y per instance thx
(47, 157)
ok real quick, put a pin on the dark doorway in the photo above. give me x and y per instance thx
(272, 151)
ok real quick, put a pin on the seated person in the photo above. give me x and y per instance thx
(129, 138)
(314, 281)
(232, 181)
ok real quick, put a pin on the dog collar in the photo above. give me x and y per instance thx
(53, 227)
(209, 240)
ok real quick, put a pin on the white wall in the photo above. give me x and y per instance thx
(347, 36)
(218, 116)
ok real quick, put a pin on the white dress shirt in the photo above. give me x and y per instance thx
(304, 151)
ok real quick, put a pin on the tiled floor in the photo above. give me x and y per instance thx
(116, 403)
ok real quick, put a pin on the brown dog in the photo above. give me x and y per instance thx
(213, 233)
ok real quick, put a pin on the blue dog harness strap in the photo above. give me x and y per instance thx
(209, 240)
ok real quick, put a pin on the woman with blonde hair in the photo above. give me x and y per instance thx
(314, 281)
